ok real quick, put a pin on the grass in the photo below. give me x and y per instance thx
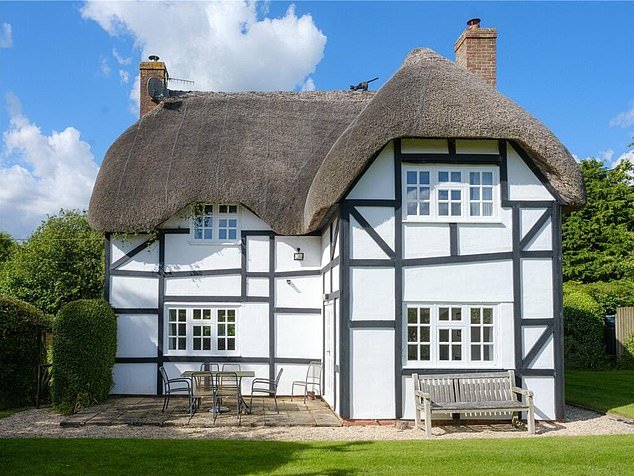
(608, 391)
(10, 411)
(553, 455)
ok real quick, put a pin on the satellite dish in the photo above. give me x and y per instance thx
(156, 88)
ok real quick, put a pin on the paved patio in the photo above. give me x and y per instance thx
(146, 411)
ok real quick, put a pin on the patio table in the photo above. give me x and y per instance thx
(191, 374)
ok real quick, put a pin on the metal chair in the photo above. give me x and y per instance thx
(227, 385)
(169, 389)
(204, 387)
(266, 386)
(313, 379)
(231, 367)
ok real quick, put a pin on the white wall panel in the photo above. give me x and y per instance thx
(362, 245)
(470, 282)
(523, 184)
(335, 278)
(137, 335)
(134, 379)
(372, 388)
(372, 293)
(258, 287)
(544, 390)
(286, 247)
(382, 220)
(325, 246)
(424, 146)
(203, 286)
(378, 181)
(425, 240)
(145, 260)
(476, 238)
(546, 358)
(291, 373)
(126, 291)
(303, 291)
(122, 244)
(253, 329)
(543, 240)
(537, 288)
(299, 336)
(182, 254)
(258, 253)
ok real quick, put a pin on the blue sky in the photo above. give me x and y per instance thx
(67, 70)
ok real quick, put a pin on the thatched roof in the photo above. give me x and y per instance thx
(290, 157)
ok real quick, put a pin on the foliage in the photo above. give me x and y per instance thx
(561, 455)
(7, 247)
(62, 261)
(607, 391)
(584, 326)
(21, 351)
(84, 348)
(627, 359)
(597, 240)
(610, 295)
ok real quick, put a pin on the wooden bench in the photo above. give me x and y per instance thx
(469, 393)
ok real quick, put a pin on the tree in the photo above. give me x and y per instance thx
(62, 261)
(7, 247)
(598, 240)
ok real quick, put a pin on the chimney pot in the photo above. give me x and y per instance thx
(473, 23)
(153, 58)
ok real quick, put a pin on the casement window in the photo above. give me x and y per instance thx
(450, 193)
(451, 334)
(201, 330)
(218, 223)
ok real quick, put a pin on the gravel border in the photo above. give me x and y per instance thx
(44, 423)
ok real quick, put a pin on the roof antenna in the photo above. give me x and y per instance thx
(363, 85)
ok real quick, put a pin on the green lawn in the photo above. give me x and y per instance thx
(554, 455)
(609, 391)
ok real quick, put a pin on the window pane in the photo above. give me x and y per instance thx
(182, 315)
(206, 313)
(198, 234)
(232, 234)
(456, 352)
(456, 314)
(443, 176)
(475, 315)
(197, 344)
(475, 334)
(425, 353)
(231, 344)
(487, 178)
(444, 352)
(488, 315)
(443, 335)
(172, 343)
(456, 176)
(474, 209)
(423, 178)
(411, 178)
(424, 209)
(475, 352)
(196, 330)
(207, 234)
(474, 193)
(233, 223)
(487, 334)
(424, 334)
(443, 313)
(208, 222)
(425, 315)
(487, 193)
(233, 208)
(222, 234)
(182, 329)
(172, 314)
(443, 194)
(455, 194)
(424, 193)
(221, 344)
(222, 208)
(411, 194)
(488, 352)
(181, 343)
(443, 209)
(172, 330)
(456, 209)
(487, 209)
(207, 331)
(223, 223)
(474, 178)
(412, 315)
(208, 209)
(456, 335)
(412, 334)
(411, 352)
(207, 344)
(196, 313)
(411, 208)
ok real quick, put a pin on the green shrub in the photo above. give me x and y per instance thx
(609, 296)
(584, 344)
(21, 351)
(627, 359)
(84, 348)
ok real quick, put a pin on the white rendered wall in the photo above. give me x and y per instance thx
(544, 390)
(523, 184)
(137, 335)
(299, 291)
(425, 240)
(286, 247)
(371, 294)
(476, 238)
(378, 181)
(203, 286)
(537, 288)
(258, 253)
(253, 329)
(134, 379)
(298, 336)
(127, 292)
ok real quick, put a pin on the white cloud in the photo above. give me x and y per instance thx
(6, 36)
(309, 85)
(39, 173)
(124, 76)
(624, 119)
(104, 66)
(626, 157)
(606, 155)
(222, 46)
(120, 59)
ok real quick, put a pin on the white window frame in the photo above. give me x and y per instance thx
(464, 324)
(191, 322)
(463, 186)
(216, 217)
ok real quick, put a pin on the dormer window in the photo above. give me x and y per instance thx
(216, 223)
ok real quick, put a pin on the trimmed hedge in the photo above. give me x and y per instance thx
(609, 296)
(584, 345)
(627, 359)
(21, 351)
(84, 348)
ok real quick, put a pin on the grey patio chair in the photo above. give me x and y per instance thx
(231, 367)
(227, 385)
(176, 386)
(267, 387)
(313, 379)
(204, 387)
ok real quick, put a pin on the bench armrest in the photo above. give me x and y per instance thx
(521, 391)
(421, 394)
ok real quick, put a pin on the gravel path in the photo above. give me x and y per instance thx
(45, 423)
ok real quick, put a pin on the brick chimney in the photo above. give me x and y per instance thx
(148, 69)
(476, 50)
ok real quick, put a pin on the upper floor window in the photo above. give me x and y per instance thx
(449, 193)
(216, 223)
